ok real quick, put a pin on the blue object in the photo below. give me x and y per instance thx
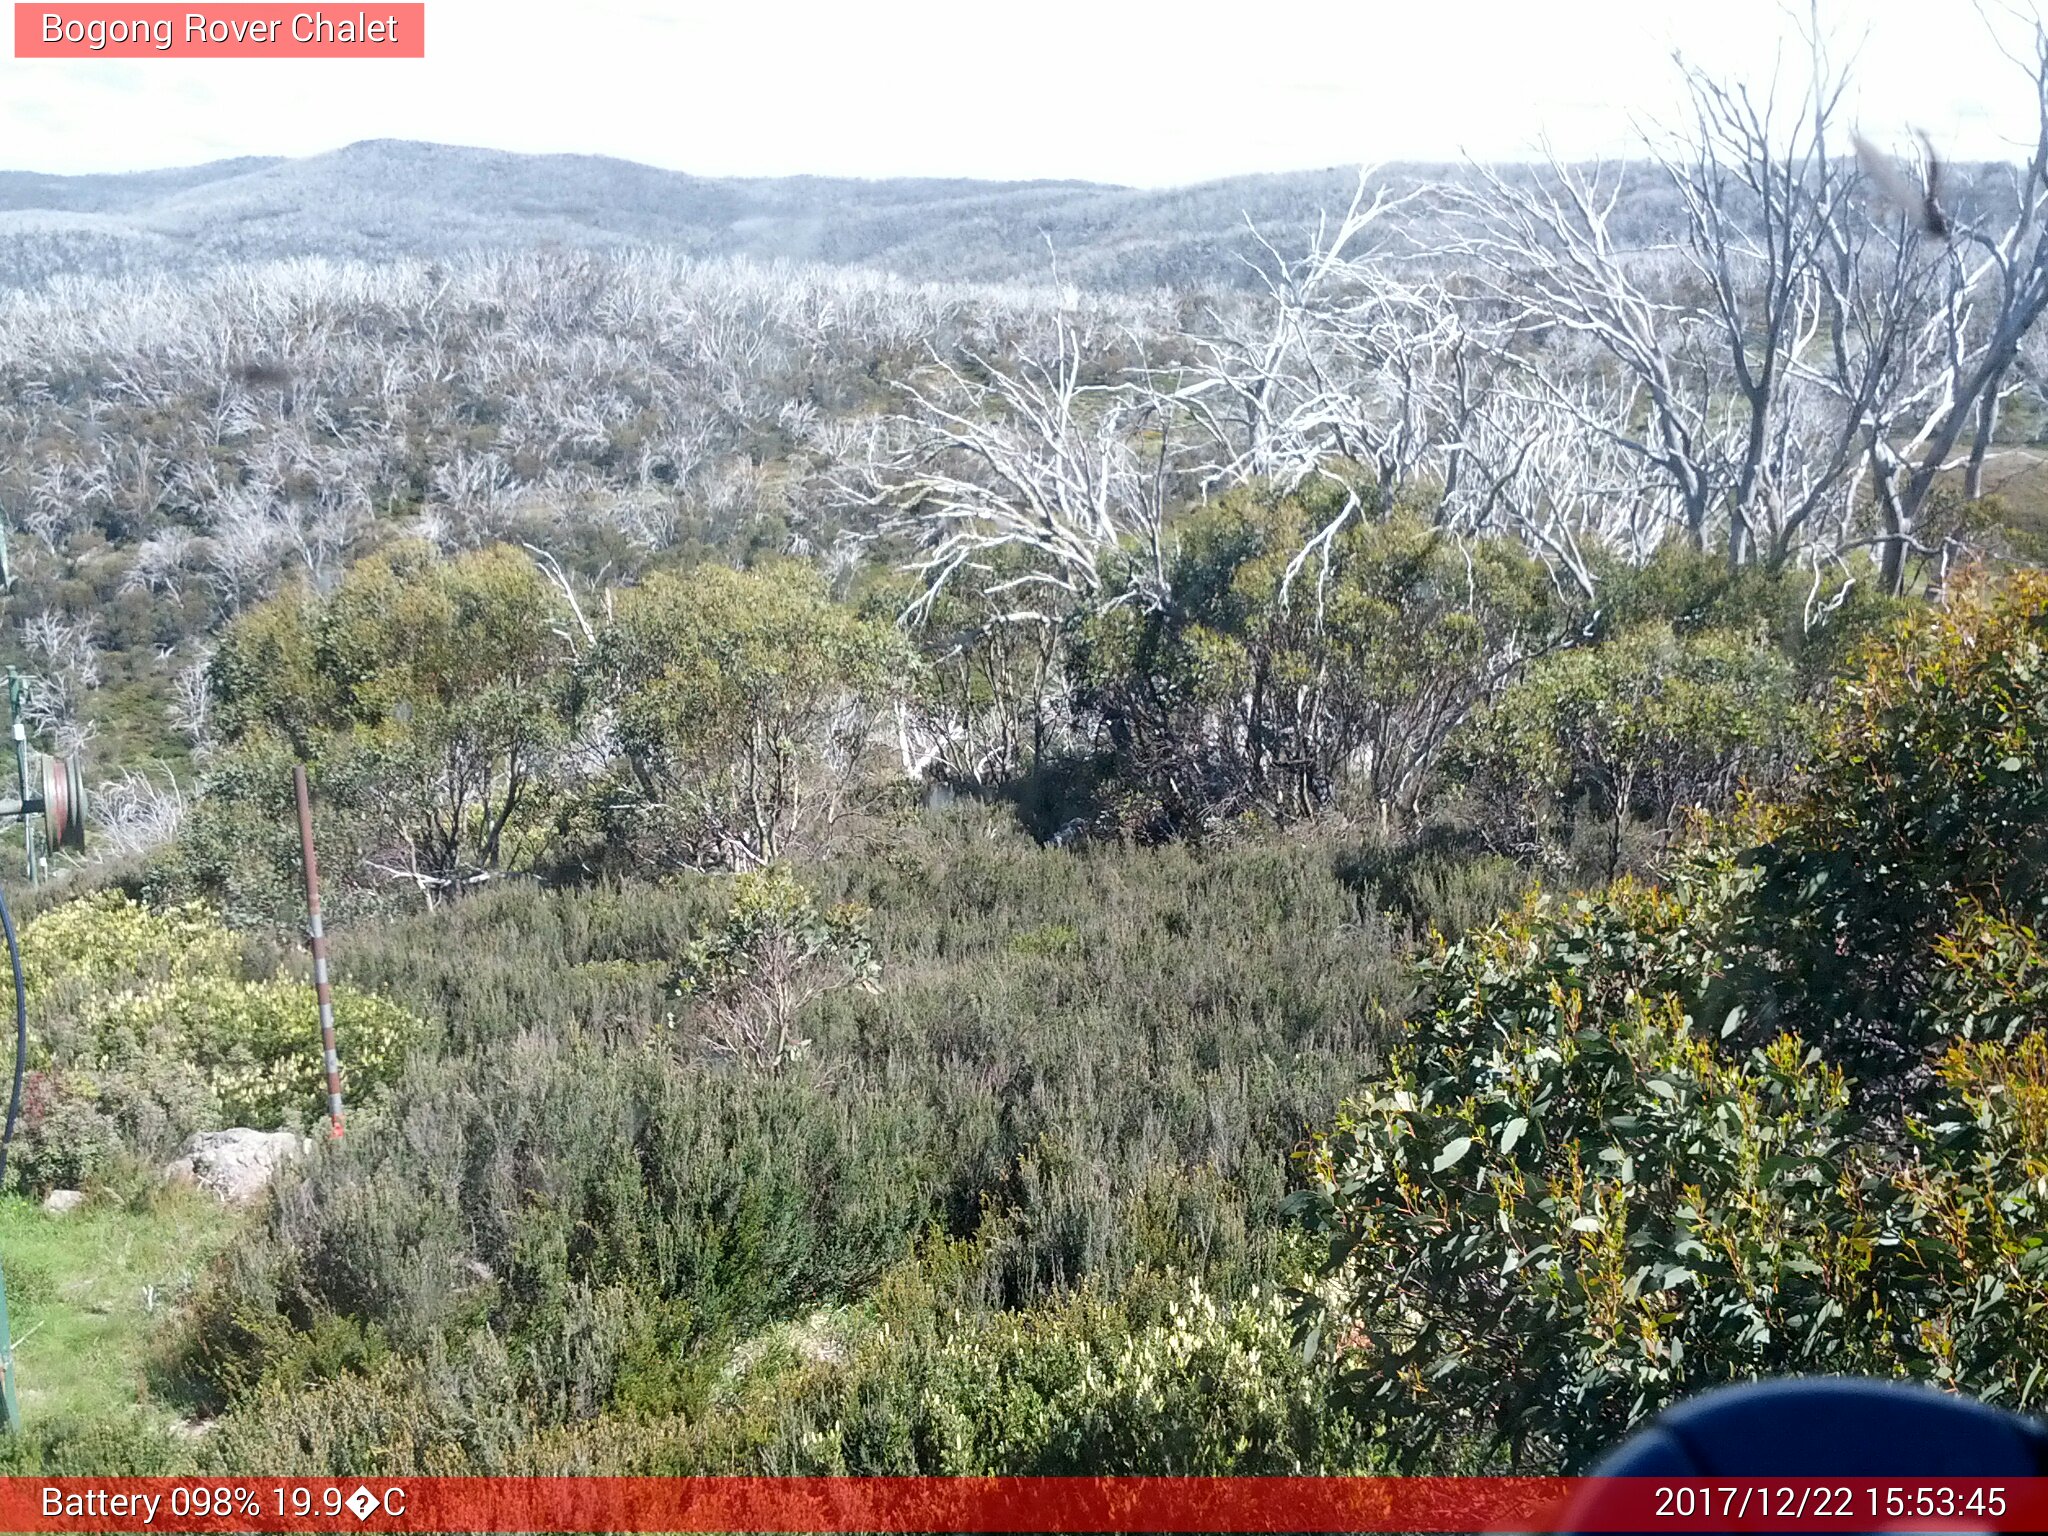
(1830, 1427)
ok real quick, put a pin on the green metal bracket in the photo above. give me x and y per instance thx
(8, 1402)
(56, 804)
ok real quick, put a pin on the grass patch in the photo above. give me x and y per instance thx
(89, 1294)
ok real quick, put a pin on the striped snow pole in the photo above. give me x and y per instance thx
(323, 987)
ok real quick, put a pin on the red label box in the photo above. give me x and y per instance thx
(224, 31)
(927, 1506)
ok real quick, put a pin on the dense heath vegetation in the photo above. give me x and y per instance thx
(1392, 869)
(927, 1144)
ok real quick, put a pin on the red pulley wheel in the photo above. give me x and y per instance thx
(64, 803)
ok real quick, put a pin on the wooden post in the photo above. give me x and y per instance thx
(323, 989)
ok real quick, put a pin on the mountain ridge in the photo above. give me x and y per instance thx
(384, 198)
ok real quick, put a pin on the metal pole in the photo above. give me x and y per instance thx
(323, 989)
(9, 1402)
(16, 693)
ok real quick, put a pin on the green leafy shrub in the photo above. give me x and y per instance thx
(1568, 1206)
(1563, 1208)
(428, 694)
(1926, 806)
(1602, 1175)
(1989, 979)
(1977, 1192)
(775, 953)
(1233, 699)
(1646, 725)
(144, 1030)
(106, 942)
(744, 703)
(257, 1043)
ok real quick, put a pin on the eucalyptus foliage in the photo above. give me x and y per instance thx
(1605, 1172)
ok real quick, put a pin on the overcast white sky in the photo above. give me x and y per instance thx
(1149, 92)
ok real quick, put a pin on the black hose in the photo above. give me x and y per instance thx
(20, 1035)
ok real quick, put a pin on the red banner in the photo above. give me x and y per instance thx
(1052, 1504)
(222, 31)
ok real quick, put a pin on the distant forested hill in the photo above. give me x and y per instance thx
(395, 198)
(391, 198)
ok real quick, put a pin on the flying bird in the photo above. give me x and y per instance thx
(1919, 200)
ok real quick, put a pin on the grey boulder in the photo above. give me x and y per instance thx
(235, 1166)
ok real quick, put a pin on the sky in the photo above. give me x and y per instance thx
(1141, 92)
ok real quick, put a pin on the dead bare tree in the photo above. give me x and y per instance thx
(1348, 357)
(1992, 289)
(1761, 193)
(1808, 361)
(65, 666)
(1028, 466)
(1544, 254)
(1535, 469)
